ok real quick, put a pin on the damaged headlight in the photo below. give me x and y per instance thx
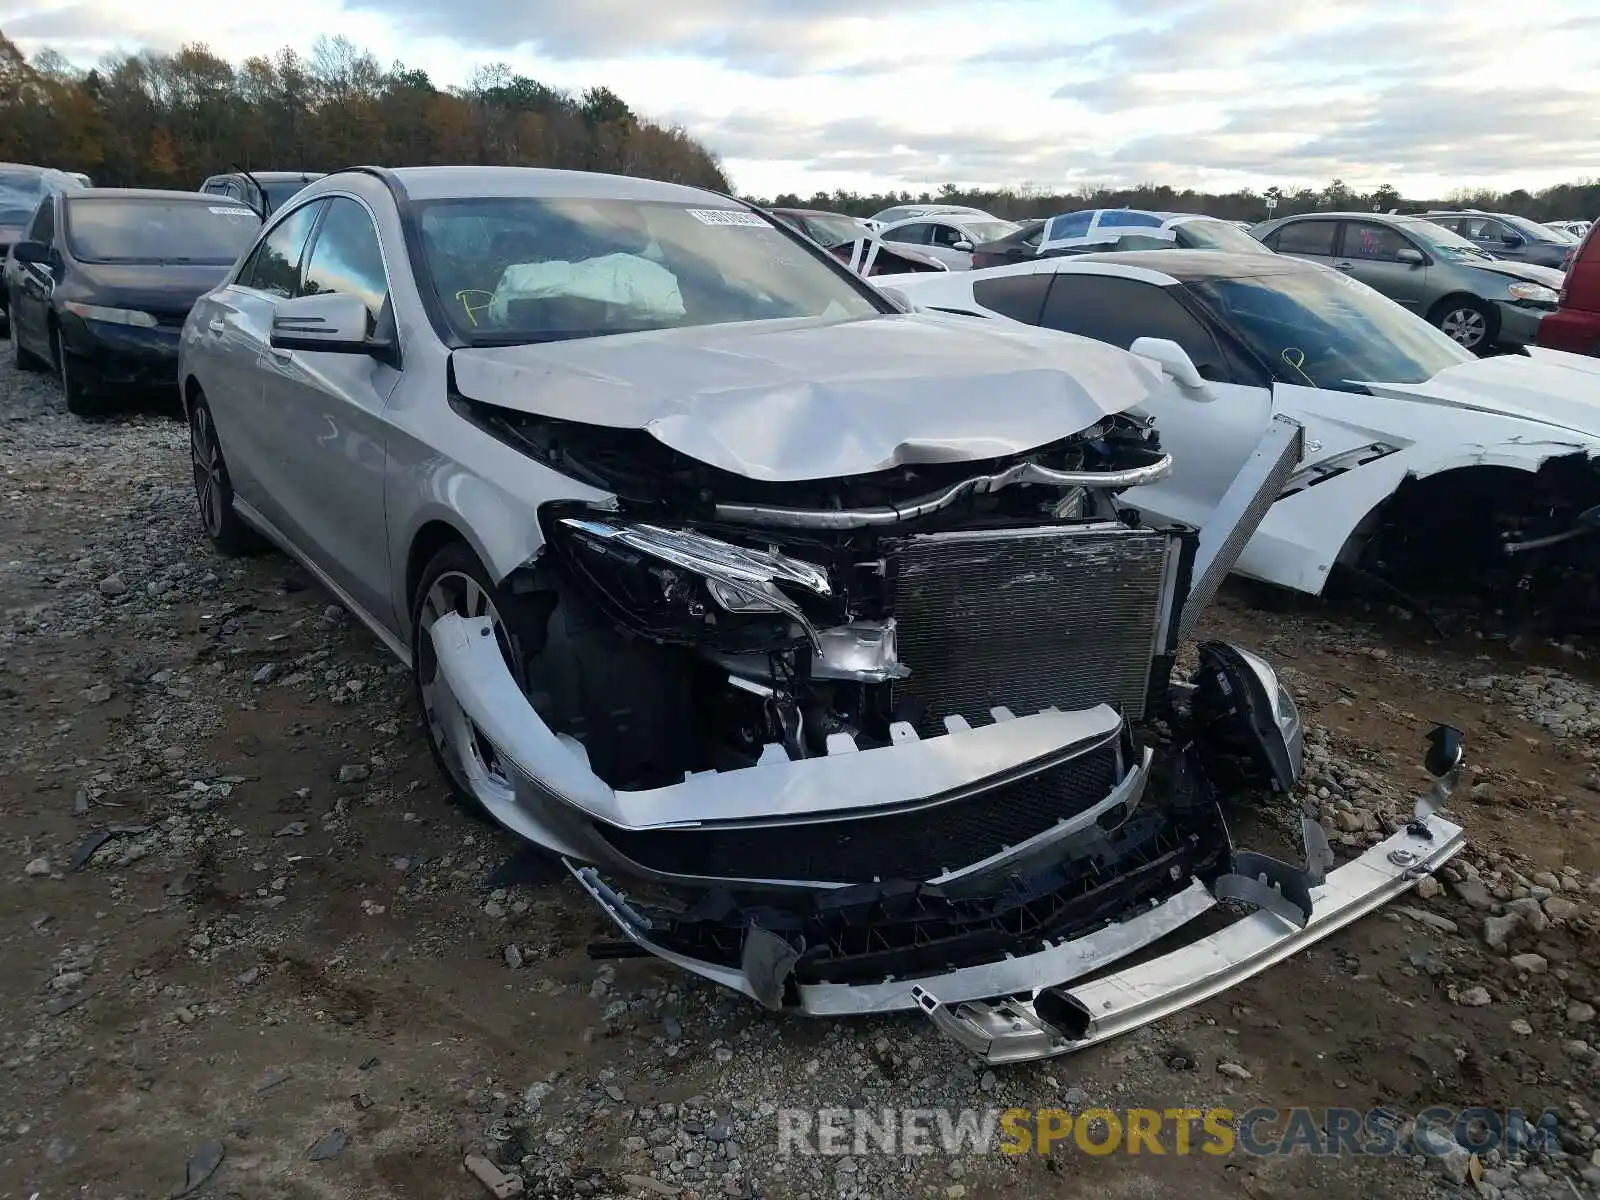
(1242, 690)
(680, 585)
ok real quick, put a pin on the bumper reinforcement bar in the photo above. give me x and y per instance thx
(1059, 1020)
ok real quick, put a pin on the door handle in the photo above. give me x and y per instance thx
(1345, 266)
(216, 325)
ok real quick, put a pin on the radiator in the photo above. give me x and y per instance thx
(1027, 619)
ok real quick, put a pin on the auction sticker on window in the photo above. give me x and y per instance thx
(728, 216)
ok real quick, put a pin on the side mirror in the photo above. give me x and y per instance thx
(1175, 362)
(1412, 258)
(31, 252)
(1513, 239)
(964, 245)
(331, 323)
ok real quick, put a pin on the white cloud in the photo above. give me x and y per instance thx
(802, 94)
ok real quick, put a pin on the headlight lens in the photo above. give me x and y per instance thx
(1534, 293)
(683, 586)
(111, 316)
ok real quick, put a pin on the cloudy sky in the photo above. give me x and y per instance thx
(801, 94)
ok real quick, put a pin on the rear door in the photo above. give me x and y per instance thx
(1316, 238)
(324, 441)
(1369, 252)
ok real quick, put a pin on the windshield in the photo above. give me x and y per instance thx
(990, 231)
(514, 270)
(832, 231)
(209, 231)
(1217, 235)
(1325, 329)
(1532, 230)
(280, 190)
(20, 193)
(1444, 242)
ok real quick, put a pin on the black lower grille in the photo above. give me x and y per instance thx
(917, 845)
(1029, 619)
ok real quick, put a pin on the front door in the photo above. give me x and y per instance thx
(328, 436)
(1371, 253)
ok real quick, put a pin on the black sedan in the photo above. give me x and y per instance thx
(101, 285)
(1020, 245)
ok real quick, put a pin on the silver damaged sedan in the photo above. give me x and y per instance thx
(820, 641)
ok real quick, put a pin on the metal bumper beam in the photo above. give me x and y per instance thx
(1060, 1020)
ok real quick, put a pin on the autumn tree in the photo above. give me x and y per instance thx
(169, 120)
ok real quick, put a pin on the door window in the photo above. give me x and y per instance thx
(1371, 242)
(1020, 297)
(1069, 226)
(274, 265)
(43, 226)
(1111, 309)
(947, 236)
(1305, 237)
(916, 235)
(1123, 218)
(346, 257)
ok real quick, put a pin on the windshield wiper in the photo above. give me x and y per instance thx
(539, 337)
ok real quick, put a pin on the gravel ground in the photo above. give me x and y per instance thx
(241, 918)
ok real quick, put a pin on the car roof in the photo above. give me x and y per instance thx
(1185, 265)
(813, 212)
(267, 176)
(88, 195)
(488, 182)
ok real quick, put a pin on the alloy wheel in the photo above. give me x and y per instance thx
(470, 758)
(1465, 325)
(209, 476)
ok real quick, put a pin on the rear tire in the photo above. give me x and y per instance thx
(213, 488)
(1468, 321)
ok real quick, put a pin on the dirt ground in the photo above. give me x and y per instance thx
(290, 943)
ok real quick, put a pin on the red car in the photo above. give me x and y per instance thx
(1575, 325)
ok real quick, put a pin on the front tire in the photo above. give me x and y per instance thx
(455, 581)
(213, 488)
(75, 384)
(1466, 320)
(24, 359)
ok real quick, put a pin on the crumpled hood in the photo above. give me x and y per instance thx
(1532, 272)
(1548, 386)
(819, 398)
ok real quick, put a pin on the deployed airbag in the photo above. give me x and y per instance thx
(626, 280)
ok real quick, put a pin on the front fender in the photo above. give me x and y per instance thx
(1301, 539)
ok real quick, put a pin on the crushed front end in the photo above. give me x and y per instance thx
(907, 740)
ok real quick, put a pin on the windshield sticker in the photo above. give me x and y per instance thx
(728, 216)
(230, 212)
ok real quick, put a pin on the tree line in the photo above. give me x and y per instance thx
(1567, 201)
(169, 120)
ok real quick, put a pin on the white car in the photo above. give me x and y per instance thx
(904, 212)
(949, 237)
(1577, 229)
(1109, 226)
(1439, 472)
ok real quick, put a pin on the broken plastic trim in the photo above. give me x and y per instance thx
(860, 518)
(1059, 1020)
